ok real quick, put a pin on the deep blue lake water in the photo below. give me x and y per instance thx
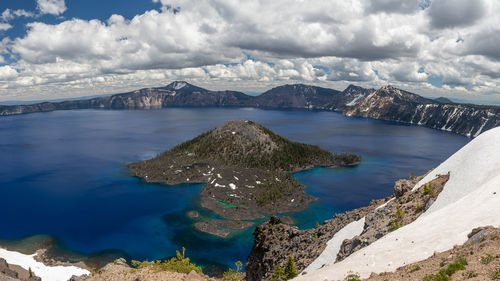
(63, 174)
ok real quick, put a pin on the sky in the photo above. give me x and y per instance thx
(52, 49)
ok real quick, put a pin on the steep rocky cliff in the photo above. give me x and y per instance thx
(389, 103)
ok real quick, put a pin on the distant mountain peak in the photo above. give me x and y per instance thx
(184, 86)
(178, 84)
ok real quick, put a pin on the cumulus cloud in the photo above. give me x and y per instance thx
(9, 14)
(453, 13)
(258, 42)
(7, 73)
(53, 7)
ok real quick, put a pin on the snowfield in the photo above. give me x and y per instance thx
(47, 273)
(333, 246)
(471, 198)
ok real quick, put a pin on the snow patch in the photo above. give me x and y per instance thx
(179, 85)
(49, 273)
(329, 255)
(233, 186)
(355, 100)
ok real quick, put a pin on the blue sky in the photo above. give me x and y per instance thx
(61, 48)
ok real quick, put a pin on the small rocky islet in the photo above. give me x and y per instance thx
(246, 170)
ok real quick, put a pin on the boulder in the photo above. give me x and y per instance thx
(402, 186)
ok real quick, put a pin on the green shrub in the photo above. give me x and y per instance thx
(459, 264)
(179, 263)
(446, 273)
(415, 268)
(429, 189)
(487, 259)
(469, 274)
(234, 275)
(495, 274)
(419, 207)
(352, 277)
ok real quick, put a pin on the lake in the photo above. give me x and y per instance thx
(63, 174)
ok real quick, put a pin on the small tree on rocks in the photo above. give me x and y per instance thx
(290, 270)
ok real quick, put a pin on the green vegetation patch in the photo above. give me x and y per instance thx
(487, 259)
(446, 273)
(179, 263)
(287, 273)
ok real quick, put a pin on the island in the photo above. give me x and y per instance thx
(246, 170)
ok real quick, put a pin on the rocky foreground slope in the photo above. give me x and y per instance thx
(246, 170)
(387, 103)
(469, 199)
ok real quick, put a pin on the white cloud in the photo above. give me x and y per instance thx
(5, 26)
(7, 73)
(235, 44)
(9, 14)
(53, 7)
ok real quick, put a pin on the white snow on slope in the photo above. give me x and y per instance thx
(471, 198)
(179, 85)
(47, 273)
(329, 255)
(355, 100)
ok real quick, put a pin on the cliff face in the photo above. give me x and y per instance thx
(387, 103)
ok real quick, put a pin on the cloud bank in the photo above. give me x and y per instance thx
(439, 47)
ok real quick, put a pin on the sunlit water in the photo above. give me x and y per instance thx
(63, 174)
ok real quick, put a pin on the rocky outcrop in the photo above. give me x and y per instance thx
(406, 207)
(275, 242)
(15, 273)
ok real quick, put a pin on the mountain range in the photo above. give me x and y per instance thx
(386, 103)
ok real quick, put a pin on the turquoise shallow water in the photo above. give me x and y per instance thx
(63, 174)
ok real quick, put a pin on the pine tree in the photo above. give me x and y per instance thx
(278, 273)
(290, 270)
